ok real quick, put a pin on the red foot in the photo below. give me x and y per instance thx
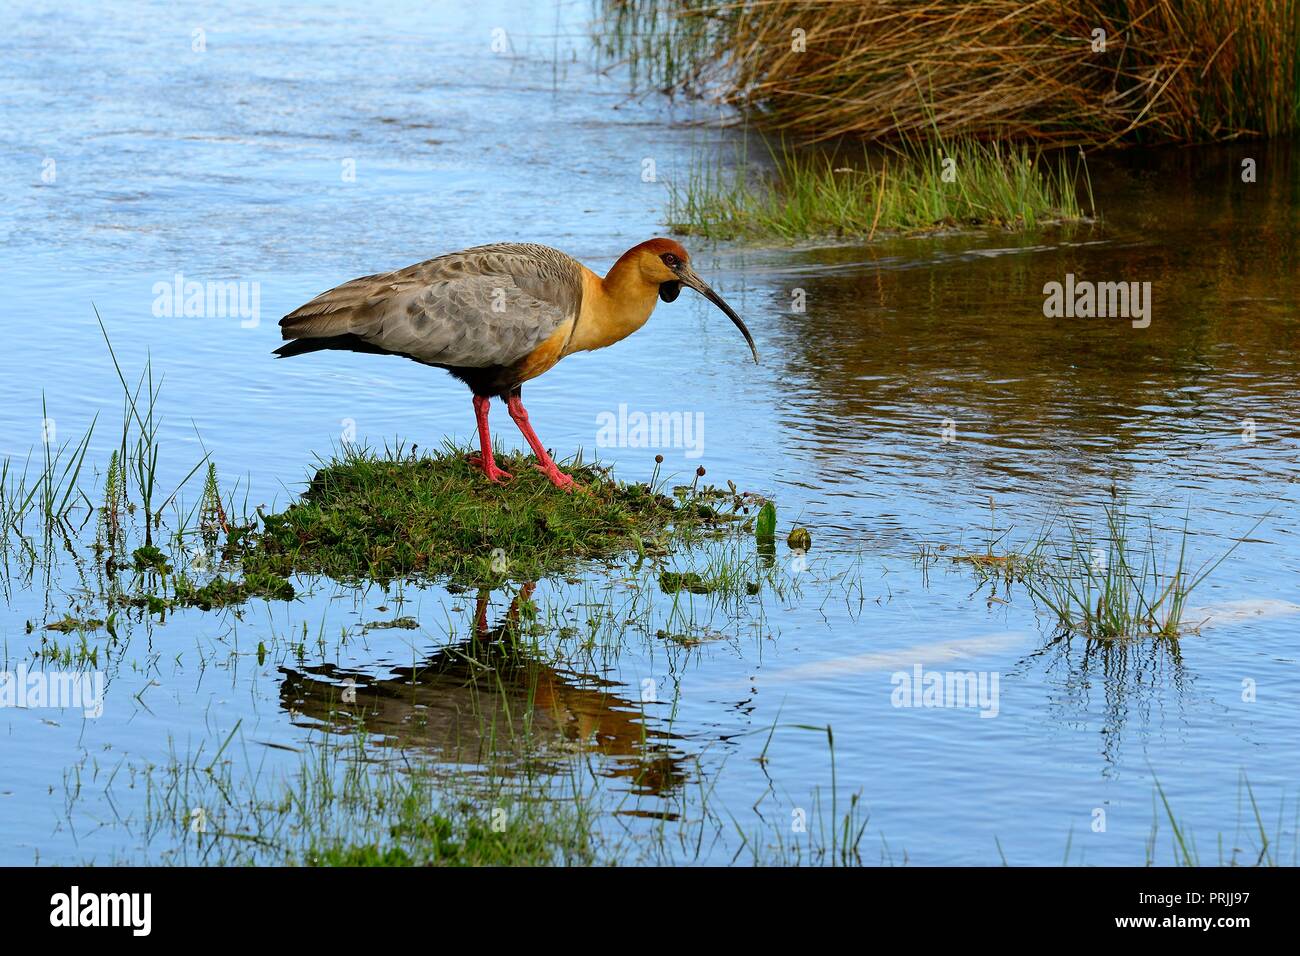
(547, 465)
(493, 474)
(558, 478)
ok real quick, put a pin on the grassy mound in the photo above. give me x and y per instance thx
(436, 517)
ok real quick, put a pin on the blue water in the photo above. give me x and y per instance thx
(235, 163)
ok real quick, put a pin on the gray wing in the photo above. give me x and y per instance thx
(481, 307)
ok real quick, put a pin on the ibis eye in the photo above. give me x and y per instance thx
(669, 259)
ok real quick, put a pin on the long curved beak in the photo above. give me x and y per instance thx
(689, 278)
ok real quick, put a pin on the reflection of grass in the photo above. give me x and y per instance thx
(1112, 586)
(341, 808)
(339, 804)
(222, 592)
(919, 188)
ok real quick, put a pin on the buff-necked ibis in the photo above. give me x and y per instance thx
(497, 316)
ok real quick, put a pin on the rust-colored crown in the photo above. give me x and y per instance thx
(656, 247)
(659, 246)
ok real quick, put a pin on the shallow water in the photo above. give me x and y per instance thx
(229, 165)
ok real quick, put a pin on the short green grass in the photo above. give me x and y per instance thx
(920, 188)
(398, 515)
(363, 517)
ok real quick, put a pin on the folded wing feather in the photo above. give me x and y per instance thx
(482, 307)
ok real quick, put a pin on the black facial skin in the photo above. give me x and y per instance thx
(668, 291)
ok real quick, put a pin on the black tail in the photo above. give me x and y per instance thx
(348, 342)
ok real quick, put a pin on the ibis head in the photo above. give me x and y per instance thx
(666, 264)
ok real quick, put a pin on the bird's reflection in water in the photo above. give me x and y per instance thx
(485, 701)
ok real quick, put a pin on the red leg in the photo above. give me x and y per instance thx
(484, 459)
(515, 404)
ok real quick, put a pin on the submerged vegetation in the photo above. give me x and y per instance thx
(1104, 580)
(340, 805)
(920, 188)
(1054, 72)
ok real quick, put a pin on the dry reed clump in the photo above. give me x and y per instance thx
(1170, 70)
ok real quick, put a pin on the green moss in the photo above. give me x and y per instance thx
(149, 558)
(366, 517)
(67, 624)
(673, 581)
(223, 592)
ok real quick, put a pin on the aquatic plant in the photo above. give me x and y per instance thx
(1108, 585)
(52, 492)
(139, 451)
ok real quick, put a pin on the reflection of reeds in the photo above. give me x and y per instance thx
(1191, 71)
